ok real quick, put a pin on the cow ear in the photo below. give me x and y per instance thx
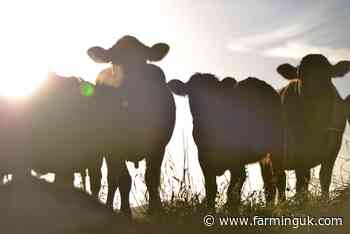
(340, 69)
(229, 82)
(158, 52)
(99, 54)
(288, 71)
(347, 100)
(178, 87)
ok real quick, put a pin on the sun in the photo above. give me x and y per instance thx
(21, 81)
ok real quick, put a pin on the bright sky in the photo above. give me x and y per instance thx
(224, 37)
(248, 38)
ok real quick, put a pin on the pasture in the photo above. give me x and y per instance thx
(42, 207)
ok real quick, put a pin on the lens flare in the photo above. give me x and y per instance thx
(87, 90)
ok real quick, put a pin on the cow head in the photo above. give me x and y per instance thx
(229, 83)
(128, 50)
(314, 72)
(201, 84)
(201, 90)
(198, 85)
(128, 53)
(204, 92)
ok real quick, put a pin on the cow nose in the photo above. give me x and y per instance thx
(117, 75)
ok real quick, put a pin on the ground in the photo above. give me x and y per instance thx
(40, 207)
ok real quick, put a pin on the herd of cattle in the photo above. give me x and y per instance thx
(129, 115)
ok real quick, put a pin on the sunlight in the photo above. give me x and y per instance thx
(21, 81)
(32, 47)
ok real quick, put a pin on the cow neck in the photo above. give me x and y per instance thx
(337, 123)
(319, 110)
(134, 76)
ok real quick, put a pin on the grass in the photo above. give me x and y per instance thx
(184, 206)
(186, 216)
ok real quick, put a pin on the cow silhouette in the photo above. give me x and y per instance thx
(66, 130)
(51, 131)
(234, 124)
(146, 119)
(314, 118)
(69, 124)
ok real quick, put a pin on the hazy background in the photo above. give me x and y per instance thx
(224, 37)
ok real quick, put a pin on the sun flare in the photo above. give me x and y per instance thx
(21, 81)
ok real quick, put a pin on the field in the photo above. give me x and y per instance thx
(36, 206)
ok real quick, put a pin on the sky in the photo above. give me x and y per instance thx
(227, 38)
(224, 37)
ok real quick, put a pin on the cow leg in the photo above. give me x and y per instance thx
(210, 181)
(279, 178)
(153, 170)
(112, 179)
(281, 184)
(334, 145)
(273, 176)
(269, 185)
(303, 178)
(277, 157)
(95, 179)
(124, 182)
(326, 176)
(235, 188)
(210, 189)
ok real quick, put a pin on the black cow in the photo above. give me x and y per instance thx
(147, 116)
(68, 130)
(51, 131)
(314, 118)
(234, 124)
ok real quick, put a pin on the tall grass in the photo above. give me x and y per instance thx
(182, 187)
(183, 195)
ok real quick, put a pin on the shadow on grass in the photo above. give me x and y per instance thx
(40, 207)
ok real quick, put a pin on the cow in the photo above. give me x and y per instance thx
(147, 116)
(234, 124)
(64, 125)
(314, 119)
(52, 130)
